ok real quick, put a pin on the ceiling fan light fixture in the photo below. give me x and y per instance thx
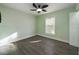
(39, 9)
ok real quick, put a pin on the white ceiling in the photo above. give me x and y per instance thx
(27, 6)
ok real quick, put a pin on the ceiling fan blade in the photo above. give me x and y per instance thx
(33, 9)
(35, 5)
(44, 6)
(44, 10)
(39, 6)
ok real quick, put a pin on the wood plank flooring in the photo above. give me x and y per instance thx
(38, 45)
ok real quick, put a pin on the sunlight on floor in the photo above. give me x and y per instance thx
(35, 41)
(10, 38)
(8, 49)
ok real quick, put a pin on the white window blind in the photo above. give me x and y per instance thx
(50, 25)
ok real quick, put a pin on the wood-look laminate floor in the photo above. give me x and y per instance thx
(38, 45)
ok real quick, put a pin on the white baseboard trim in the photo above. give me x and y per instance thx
(74, 45)
(54, 38)
(21, 38)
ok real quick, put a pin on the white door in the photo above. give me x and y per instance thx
(74, 29)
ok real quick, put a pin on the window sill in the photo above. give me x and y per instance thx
(50, 33)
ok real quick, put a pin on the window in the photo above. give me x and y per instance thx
(50, 25)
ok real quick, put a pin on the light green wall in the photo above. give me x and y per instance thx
(77, 7)
(16, 21)
(62, 24)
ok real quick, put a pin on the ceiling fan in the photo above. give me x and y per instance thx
(39, 7)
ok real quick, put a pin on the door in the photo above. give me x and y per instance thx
(74, 29)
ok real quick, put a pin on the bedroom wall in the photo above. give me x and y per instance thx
(61, 24)
(15, 23)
